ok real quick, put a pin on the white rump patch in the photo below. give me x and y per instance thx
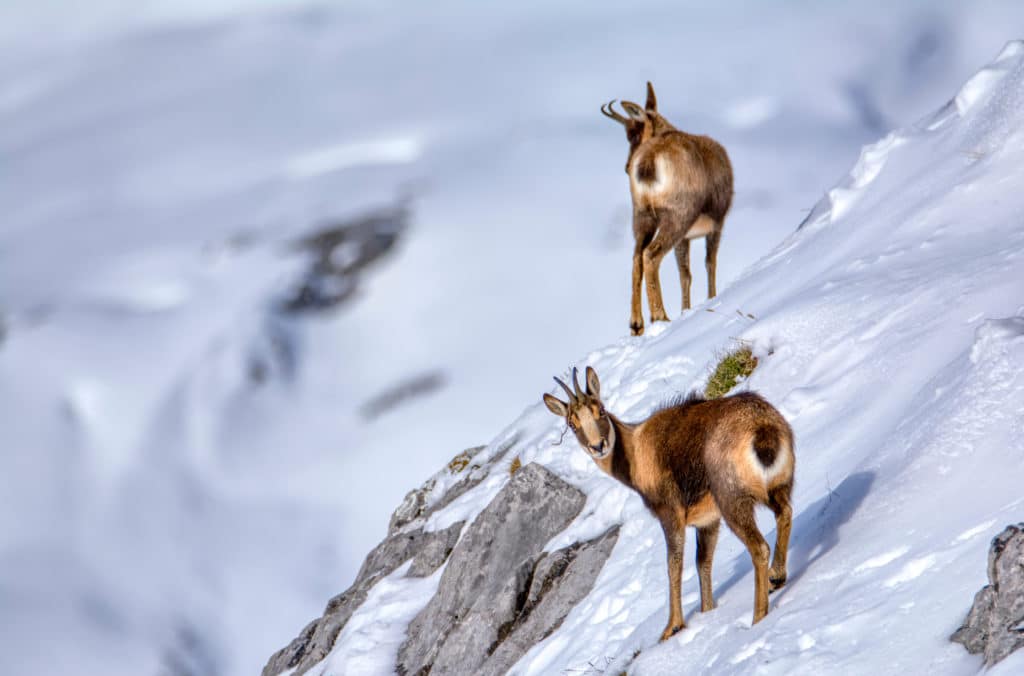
(662, 178)
(778, 466)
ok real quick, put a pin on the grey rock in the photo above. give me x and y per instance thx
(995, 623)
(412, 507)
(560, 580)
(428, 551)
(436, 548)
(488, 579)
(417, 503)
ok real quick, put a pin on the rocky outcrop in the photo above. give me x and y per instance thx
(427, 551)
(995, 624)
(406, 540)
(500, 593)
(559, 581)
(486, 591)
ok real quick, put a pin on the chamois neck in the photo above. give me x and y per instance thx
(618, 461)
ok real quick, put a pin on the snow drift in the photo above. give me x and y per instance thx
(890, 333)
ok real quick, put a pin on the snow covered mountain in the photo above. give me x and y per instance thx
(890, 332)
(239, 239)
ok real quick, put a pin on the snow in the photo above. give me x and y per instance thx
(369, 643)
(159, 504)
(899, 367)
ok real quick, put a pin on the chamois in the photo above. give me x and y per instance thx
(681, 185)
(694, 462)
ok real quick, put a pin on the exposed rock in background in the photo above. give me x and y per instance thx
(995, 623)
(485, 589)
(191, 653)
(396, 395)
(339, 253)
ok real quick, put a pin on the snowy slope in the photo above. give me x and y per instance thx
(160, 503)
(891, 334)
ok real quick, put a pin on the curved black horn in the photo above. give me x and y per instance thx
(576, 383)
(609, 111)
(565, 387)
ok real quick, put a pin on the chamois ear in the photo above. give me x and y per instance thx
(634, 111)
(652, 100)
(556, 406)
(593, 384)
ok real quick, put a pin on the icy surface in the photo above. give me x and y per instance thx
(186, 474)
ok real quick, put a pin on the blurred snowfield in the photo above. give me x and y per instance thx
(187, 473)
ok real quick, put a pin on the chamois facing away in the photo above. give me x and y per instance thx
(694, 462)
(682, 189)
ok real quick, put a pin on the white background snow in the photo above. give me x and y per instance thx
(159, 510)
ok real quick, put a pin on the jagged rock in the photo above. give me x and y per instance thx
(412, 507)
(428, 551)
(488, 581)
(500, 594)
(417, 504)
(995, 623)
(560, 580)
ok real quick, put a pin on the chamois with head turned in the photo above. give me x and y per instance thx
(695, 462)
(681, 186)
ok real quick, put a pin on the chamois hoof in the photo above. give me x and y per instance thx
(636, 329)
(776, 582)
(671, 630)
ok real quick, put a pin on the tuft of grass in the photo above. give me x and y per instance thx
(459, 462)
(732, 368)
(515, 466)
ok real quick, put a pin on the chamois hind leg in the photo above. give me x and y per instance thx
(740, 517)
(707, 538)
(675, 539)
(671, 227)
(683, 261)
(778, 500)
(711, 259)
(644, 225)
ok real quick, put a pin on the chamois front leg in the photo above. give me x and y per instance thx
(675, 539)
(707, 538)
